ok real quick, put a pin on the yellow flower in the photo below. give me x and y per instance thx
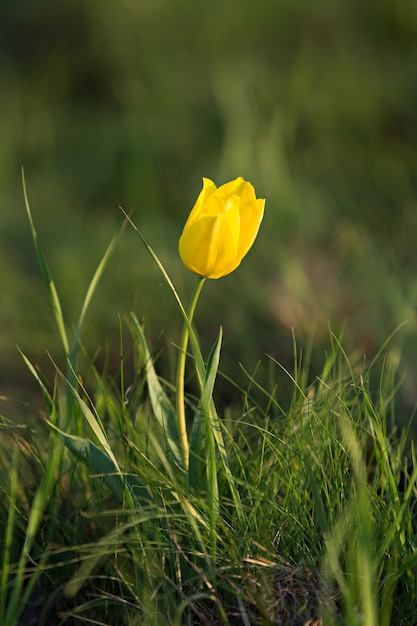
(221, 228)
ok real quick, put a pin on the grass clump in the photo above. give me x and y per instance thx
(293, 514)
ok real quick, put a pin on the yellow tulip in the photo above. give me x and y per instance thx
(221, 228)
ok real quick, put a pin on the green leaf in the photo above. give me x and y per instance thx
(215, 427)
(73, 356)
(161, 405)
(53, 294)
(46, 395)
(202, 426)
(202, 445)
(199, 363)
(101, 464)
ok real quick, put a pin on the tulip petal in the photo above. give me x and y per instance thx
(209, 188)
(251, 215)
(221, 227)
(208, 246)
(233, 188)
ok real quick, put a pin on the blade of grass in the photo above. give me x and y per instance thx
(201, 426)
(8, 537)
(100, 464)
(95, 423)
(202, 440)
(105, 547)
(73, 356)
(162, 408)
(55, 458)
(46, 395)
(36, 515)
(200, 369)
(71, 353)
(53, 294)
(199, 362)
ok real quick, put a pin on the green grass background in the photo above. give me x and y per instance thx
(131, 103)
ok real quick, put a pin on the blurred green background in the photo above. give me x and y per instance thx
(132, 102)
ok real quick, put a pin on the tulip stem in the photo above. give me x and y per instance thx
(182, 425)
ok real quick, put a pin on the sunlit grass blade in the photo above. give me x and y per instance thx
(43, 494)
(35, 518)
(201, 437)
(11, 504)
(200, 368)
(394, 543)
(73, 356)
(213, 428)
(96, 425)
(202, 442)
(162, 407)
(71, 353)
(97, 553)
(199, 362)
(102, 465)
(53, 294)
(93, 555)
(46, 395)
(216, 430)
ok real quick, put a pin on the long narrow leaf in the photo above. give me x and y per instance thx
(217, 432)
(97, 427)
(73, 357)
(207, 408)
(199, 362)
(46, 395)
(207, 453)
(9, 531)
(99, 463)
(199, 365)
(161, 405)
(200, 432)
(53, 294)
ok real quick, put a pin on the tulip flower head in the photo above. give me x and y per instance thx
(221, 228)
